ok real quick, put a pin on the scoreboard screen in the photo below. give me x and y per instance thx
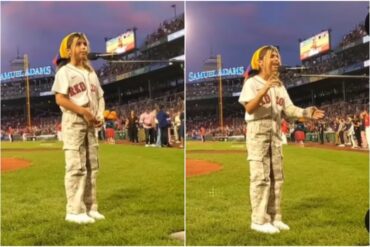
(121, 44)
(317, 44)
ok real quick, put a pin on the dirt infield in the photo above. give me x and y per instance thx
(12, 164)
(200, 167)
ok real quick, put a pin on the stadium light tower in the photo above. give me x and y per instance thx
(220, 95)
(28, 104)
(174, 8)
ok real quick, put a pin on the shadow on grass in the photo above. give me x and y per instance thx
(123, 194)
(313, 202)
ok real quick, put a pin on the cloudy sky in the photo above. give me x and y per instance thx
(38, 27)
(232, 29)
(236, 29)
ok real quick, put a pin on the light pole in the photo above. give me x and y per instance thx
(28, 101)
(220, 94)
(174, 8)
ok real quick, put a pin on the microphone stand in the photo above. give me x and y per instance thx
(112, 58)
(147, 61)
(332, 76)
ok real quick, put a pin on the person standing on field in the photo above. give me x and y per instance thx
(265, 98)
(80, 97)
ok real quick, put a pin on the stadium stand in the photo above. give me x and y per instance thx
(342, 98)
(127, 87)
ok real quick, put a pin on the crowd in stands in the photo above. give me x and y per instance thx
(49, 124)
(17, 89)
(154, 53)
(165, 28)
(346, 120)
(168, 101)
(233, 125)
(315, 66)
(17, 123)
(335, 61)
(112, 68)
(332, 62)
(144, 130)
(357, 33)
(211, 88)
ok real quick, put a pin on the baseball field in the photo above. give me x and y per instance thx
(325, 197)
(140, 191)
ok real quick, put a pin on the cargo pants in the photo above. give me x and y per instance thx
(80, 146)
(264, 145)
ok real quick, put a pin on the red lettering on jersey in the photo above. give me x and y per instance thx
(279, 101)
(82, 86)
(71, 91)
(93, 88)
(265, 100)
(77, 88)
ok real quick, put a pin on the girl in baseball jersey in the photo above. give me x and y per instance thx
(80, 97)
(265, 99)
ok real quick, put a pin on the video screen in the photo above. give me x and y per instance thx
(121, 44)
(317, 44)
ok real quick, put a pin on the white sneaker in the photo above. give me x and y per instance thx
(146, 145)
(265, 228)
(281, 225)
(96, 215)
(153, 145)
(79, 218)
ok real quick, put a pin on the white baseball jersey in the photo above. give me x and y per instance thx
(82, 87)
(272, 104)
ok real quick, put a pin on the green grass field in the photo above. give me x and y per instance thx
(140, 191)
(325, 198)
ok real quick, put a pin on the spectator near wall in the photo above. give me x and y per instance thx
(321, 128)
(366, 122)
(146, 120)
(163, 124)
(132, 127)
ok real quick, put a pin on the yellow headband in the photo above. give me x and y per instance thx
(63, 53)
(256, 57)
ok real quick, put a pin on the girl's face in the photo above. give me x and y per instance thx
(270, 63)
(79, 49)
(274, 62)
